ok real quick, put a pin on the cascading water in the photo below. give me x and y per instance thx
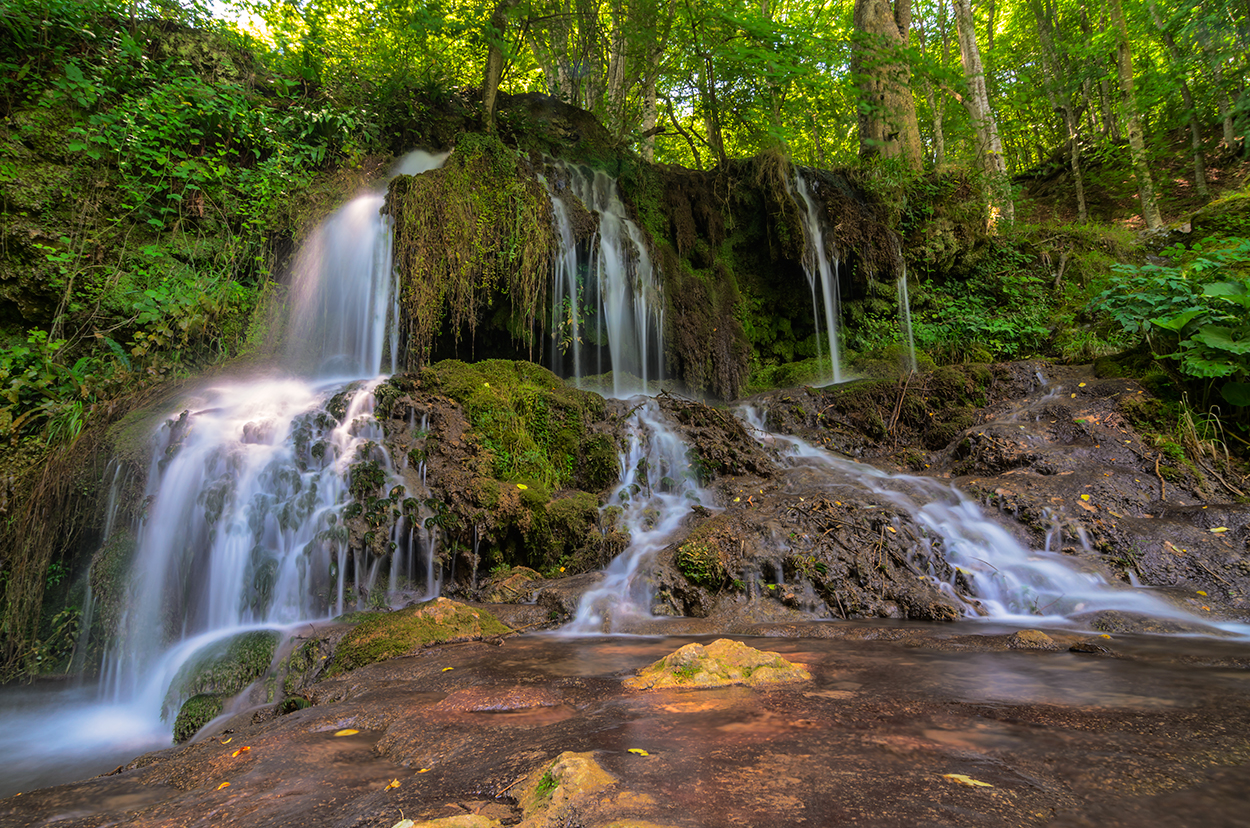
(821, 270)
(606, 295)
(657, 490)
(1011, 582)
(243, 525)
(904, 315)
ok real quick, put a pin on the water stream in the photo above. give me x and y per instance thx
(822, 272)
(247, 486)
(607, 312)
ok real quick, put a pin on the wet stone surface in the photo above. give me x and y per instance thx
(896, 727)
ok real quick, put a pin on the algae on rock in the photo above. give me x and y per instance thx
(404, 632)
(721, 663)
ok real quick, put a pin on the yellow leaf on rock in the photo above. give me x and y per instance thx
(522, 486)
(227, 740)
(1080, 385)
(394, 783)
(445, 669)
(424, 770)
(966, 780)
(1202, 593)
(639, 752)
(223, 785)
(347, 731)
(1217, 530)
(1084, 497)
(404, 823)
(243, 749)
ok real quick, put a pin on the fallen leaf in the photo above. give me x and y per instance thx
(227, 740)
(1084, 497)
(394, 783)
(639, 752)
(347, 731)
(445, 669)
(966, 780)
(1089, 507)
(1217, 530)
(424, 770)
(1080, 385)
(1202, 593)
(243, 749)
(404, 823)
(223, 785)
(522, 486)
(892, 529)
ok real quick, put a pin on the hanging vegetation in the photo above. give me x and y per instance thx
(473, 232)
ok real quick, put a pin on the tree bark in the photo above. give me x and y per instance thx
(1132, 119)
(1187, 98)
(495, 32)
(887, 111)
(1061, 101)
(977, 102)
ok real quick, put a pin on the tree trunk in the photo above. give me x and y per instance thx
(1061, 102)
(1132, 120)
(887, 111)
(495, 32)
(977, 102)
(1187, 98)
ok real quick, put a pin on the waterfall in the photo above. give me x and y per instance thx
(823, 271)
(657, 490)
(607, 312)
(904, 316)
(248, 486)
(1011, 582)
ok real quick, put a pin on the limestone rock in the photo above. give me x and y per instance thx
(721, 663)
(1031, 640)
(393, 634)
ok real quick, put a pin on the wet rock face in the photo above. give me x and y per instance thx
(392, 634)
(1056, 452)
(721, 663)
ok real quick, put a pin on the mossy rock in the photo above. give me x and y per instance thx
(721, 663)
(405, 632)
(196, 712)
(225, 668)
(513, 585)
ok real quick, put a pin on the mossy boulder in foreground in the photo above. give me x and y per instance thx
(721, 663)
(393, 634)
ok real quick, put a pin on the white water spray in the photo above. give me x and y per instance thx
(605, 299)
(821, 270)
(657, 490)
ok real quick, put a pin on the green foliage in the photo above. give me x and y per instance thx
(1195, 311)
(196, 712)
(700, 562)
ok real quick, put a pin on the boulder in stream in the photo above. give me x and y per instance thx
(721, 663)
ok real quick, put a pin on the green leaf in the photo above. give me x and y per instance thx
(1224, 289)
(1177, 323)
(1222, 339)
(1236, 393)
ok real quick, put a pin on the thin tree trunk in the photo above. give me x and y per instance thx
(494, 60)
(1191, 111)
(1061, 102)
(977, 101)
(1137, 144)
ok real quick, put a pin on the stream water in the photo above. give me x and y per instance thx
(247, 484)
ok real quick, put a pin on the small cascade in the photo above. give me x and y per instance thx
(607, 314)
(821, 270)
(657, 489)
(346, 300)
(1011, 582)
(114, 472)
(904, 316)
(248, 493)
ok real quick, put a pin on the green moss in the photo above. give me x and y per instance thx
(226, 668)
(196, 712)
(477, 231)
(394, 634)
(532, 426)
